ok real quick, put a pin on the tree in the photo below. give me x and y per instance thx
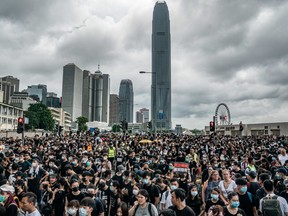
(81, 121)
(116, 128)
(40, 117)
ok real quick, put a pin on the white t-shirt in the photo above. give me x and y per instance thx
(34, 213)
(282, 158)
(166, 201)
(227, 190)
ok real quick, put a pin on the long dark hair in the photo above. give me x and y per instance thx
(124, 208)
(189, 196)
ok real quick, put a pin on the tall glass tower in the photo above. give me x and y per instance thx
(161, 68)
(126, 100)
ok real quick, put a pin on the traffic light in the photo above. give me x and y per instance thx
(126, 125)
(20, 125)
(212, 126)
(150, 125)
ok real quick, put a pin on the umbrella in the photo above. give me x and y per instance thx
(145, 141)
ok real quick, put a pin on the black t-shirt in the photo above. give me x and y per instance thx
(104, 195)
(194, 204)
(246, 204)
(78, 197)
(99, 207)
(59, 203)
(284, 194)
(227, 213)
(77, 169)
(187, 211)
(209, 203)
(253, 187)
(153, 191)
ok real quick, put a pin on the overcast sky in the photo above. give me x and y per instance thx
(223, 51)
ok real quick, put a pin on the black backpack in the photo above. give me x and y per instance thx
(149, 209)
(271, 206)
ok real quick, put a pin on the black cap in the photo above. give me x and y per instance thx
(252, 174)
(282, 170)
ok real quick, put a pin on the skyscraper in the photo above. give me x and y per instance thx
(114, 109)
(145, 113)
(72, 88)
(126, 100)
(106, 98)
(9, 85)
(161, 68)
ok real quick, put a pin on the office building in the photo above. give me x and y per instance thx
(145, 113)
(9, 85)
(161, 68)
(126, 100)
(21, 100)
(139, 117)
(72, 89)
(114, 109)
(52, 100)
(106, 98)
(38, 90)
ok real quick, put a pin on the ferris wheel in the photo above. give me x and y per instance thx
(222, 115)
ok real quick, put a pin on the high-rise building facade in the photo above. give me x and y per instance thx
(52, 100)
(93, 103)
(161, 68)
(139, 117)
(114, 109)
(38, 90)
(145, 113)
(9, 85)
(106, 98)
(72, 88)
(126, 100)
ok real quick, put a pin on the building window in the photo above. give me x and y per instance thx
(278, 126)
(161, 33)
(265, 127)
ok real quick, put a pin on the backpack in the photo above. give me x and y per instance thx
(271, 206)
(149, 209)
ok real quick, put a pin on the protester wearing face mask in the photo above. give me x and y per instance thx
(116, 196)
(214, 200)
(104, 194)
(246, 199)
(233, 206)
(72, 208)
(193, 199)
(127, 187)
(7, 199)
(36, 175)
(85, 182)
(119, 174)
(75, 193)
(153, 190)
(75, 165)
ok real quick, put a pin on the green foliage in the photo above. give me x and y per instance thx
(40, 117)
(116, 128)
(81, 121)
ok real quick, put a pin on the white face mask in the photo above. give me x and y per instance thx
(135, 192)
(71, 211)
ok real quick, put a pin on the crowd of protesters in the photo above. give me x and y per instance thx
(115, 174)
